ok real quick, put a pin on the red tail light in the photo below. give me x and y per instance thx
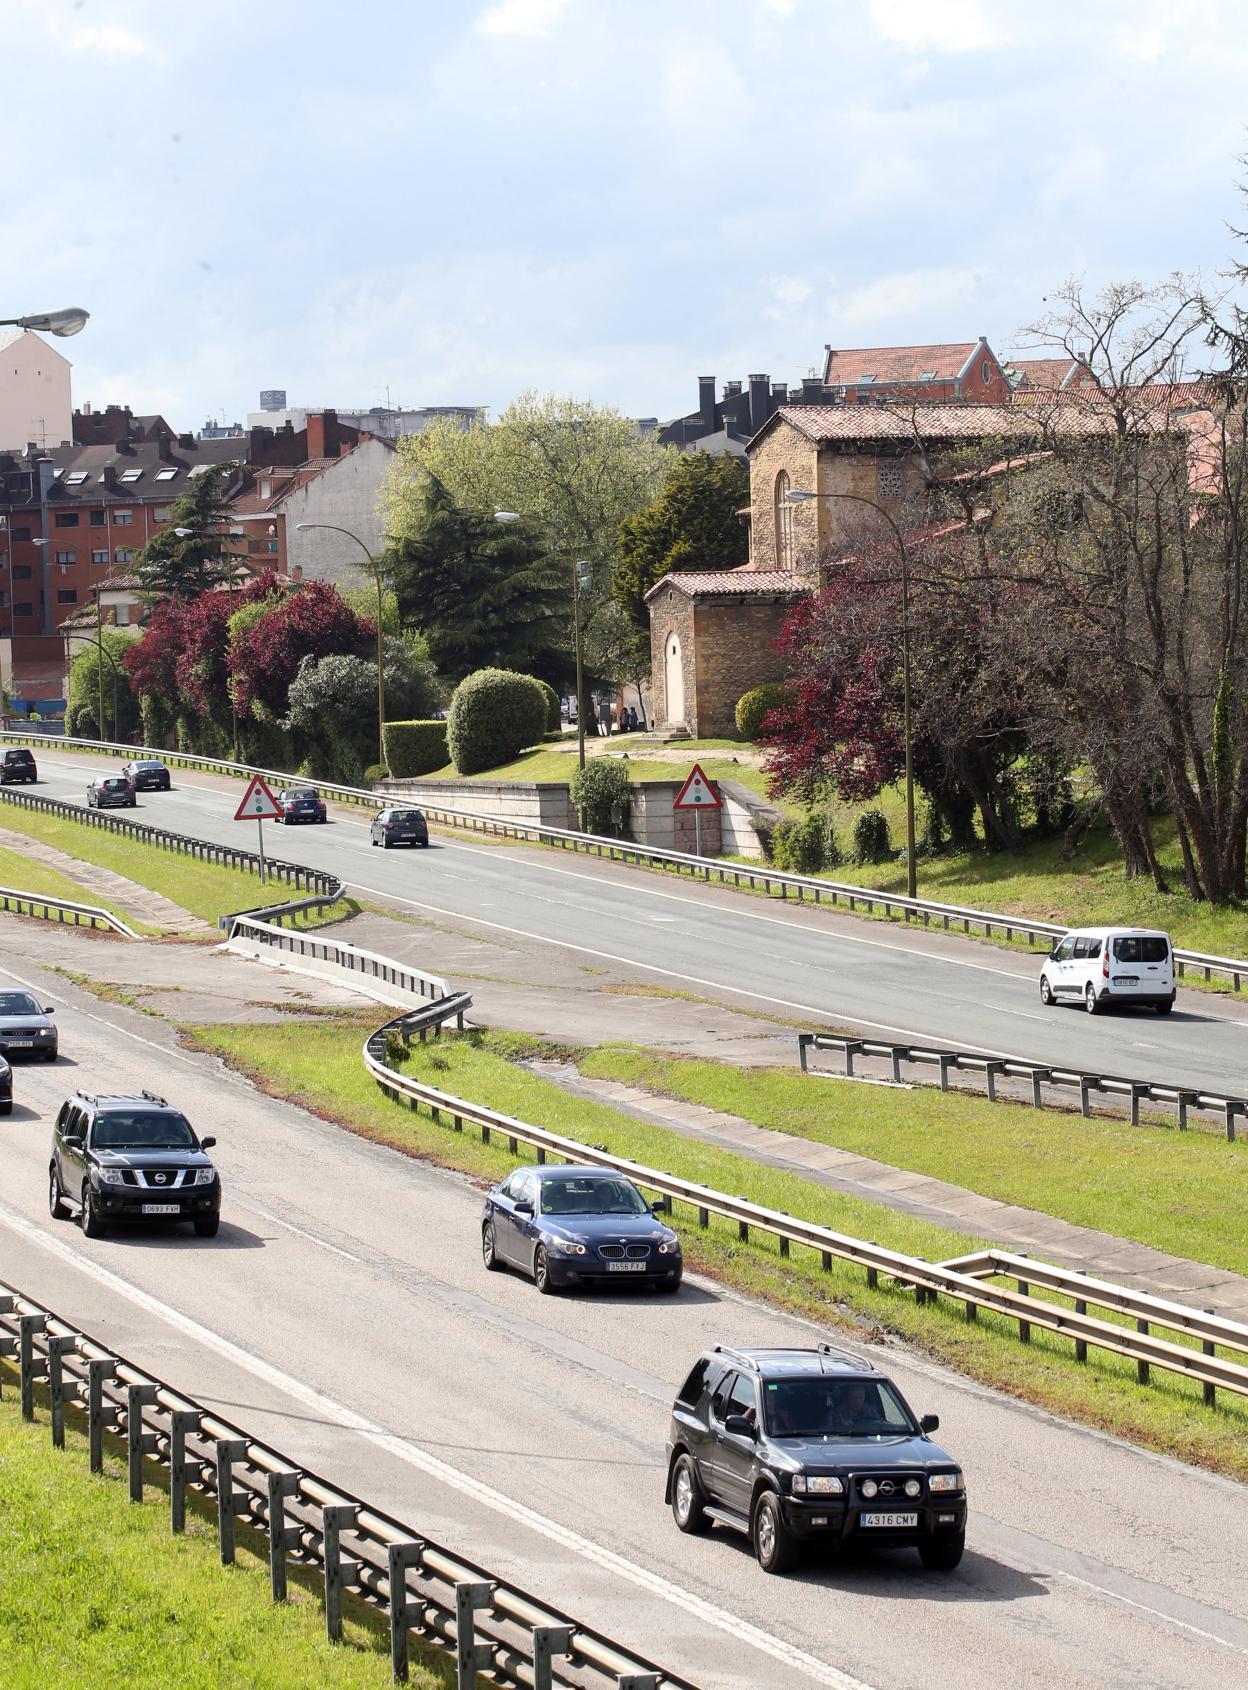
(1105, 960)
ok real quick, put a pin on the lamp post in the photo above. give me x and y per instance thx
(798, 496)
(99, 644)
(72, 320)
(578, 564)
(374, 569)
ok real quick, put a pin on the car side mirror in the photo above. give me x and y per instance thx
(659, 1206)
(930, 1423)
(1054, 951)
(206, 1143)
(524, 1207)
(72, 1143)
(742, 1427)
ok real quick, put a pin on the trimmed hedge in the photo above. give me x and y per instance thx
(752, 706)
(554, 711)
(603, 795)
(415, 748)
(495, 715)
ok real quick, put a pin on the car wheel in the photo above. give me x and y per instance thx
(541, 1273)
(774, 1545)
(1089, 1000)
(1165, 1008)
(48, 1055)
(687, 1509)
(57, 1206)
(424, 844)
(372, 842)
(88, 1218)
(489, 1251)
(669, 1286)
(208, 1227)
(385, 844)
(1046, 992)
(6, 1106)
(942, 1554)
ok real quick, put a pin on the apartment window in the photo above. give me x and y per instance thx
(123, 519)
(21, 572)
(784, 524)
(98, 519)
(161, 513)
(23, 610)
(21, 534)
(100, 557)
(66, 595)
(985, 370)
(65, 519)
(888, 480)
(124, 554)
(122, 614)
(4, 600)
(67, 557)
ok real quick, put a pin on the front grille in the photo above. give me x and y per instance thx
(146, 1179)
(895, 1496)
(638, 1252)
(619, 1252)
(611, 1252)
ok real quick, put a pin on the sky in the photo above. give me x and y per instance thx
(454, 201)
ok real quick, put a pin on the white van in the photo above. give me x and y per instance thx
(1102, 966)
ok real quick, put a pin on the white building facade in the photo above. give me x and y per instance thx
(35, 402)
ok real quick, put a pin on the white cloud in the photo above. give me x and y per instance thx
(948, 26)
(909, 297)
(521, 17)
(108, 41)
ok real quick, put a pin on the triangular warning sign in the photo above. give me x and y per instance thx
(697, 793)
(258, 803)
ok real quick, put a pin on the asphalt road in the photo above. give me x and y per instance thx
(888, 982)
(343, 1313)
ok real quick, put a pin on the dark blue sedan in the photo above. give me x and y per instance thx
(577, 1226)
(301, 804)
(6, 1088)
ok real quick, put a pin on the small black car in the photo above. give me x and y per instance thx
(17, 765)
(6, 1088)
(576, 1226)
(25, 1026)
(398, 827)
(301, 804)
(147, 774)
(131, 1159)
(791, 1446)
(106, 790)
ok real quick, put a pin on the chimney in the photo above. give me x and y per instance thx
(324, 439)
(187, 442)
(812, 390)
(47, 470)
(760, 409)
(779, 393)
(706, 403)
(86, 407)
(108, 478)
(731, 389)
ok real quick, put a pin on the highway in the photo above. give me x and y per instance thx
(887, 981)
(344, 1314)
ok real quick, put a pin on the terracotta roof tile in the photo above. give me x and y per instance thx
(705, 583)
(933, 422)
(897, 363)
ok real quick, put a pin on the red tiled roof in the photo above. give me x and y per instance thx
(897, 363)
(1048, 373)
(705, 583)
(934, 422)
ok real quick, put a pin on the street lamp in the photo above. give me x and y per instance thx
(578, 564)
(99, 644)
(72, 320)
(799, 496)
(374, 569)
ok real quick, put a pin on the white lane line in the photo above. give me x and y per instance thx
(1153, 1613)
(311, 1237)
(338, 1413)
(164, 1050)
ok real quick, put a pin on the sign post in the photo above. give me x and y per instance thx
(258, 804)
(697, 794)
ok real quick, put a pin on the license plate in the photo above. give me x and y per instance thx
(161, 1209)
(888, 1519)
(20, 1044)
(626, 1267)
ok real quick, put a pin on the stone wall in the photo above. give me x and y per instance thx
(734, 650)
(671, 612)
(544, 803)
(784, 448)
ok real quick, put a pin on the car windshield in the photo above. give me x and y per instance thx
(18, 1003)
(581, 1196)
(1140, 948)
(123, 1129)
(835, 1408)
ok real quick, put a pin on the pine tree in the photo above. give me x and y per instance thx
(182, 566)
(693, 524)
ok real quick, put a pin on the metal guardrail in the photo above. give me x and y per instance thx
(772, 882)
(14, 902)
(488, 1624)
(1183, 1099)
(964, 1281)
(316, 947)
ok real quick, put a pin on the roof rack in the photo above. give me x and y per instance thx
(153, 1097)
(844, 1355)
(738, 1356)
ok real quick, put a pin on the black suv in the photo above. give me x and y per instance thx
(131, 1159)
(793, 1445)
(17, 765)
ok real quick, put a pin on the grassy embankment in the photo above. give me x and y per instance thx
(207, 890)
(323, 1072)
(97, 1592)
(23, 874)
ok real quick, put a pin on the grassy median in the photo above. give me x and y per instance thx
(323, 1072)
(96, 1592)
(24, 874)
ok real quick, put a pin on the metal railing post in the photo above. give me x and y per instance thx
(99, 1413)
(181, 1422)
(548, 1642)
(338, 1518)
(27, 1326)
(401, 1558)
(280, 1486)
(471, 1657)
(58, 1349)
(138, 1442)
(229, 1501)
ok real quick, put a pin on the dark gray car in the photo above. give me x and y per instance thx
(26, 1026)
(131, 1159)
(106, 791)
(398, 827)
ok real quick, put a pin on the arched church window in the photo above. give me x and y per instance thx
(784, 525)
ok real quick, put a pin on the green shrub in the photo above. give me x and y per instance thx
(375, 772)
(752, 706)
(495, 714)
(554, 711)
(872, 840)
(603, 795)
(415, 748)
(807, 846)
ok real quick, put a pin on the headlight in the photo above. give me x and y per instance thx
(568, 1246)
(869, 1488)
(45, 1032)
(670, 1247)
(817, 1484)
(205, 1176)
(110, 1176)
(944, 1482)
(913, 1488)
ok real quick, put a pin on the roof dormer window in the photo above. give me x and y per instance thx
(166, 474)
(76, 479)
(130, 476)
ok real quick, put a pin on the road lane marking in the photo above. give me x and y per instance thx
(434, 1467)
(165, 1050)
(311, 1237)
(1153, 1613)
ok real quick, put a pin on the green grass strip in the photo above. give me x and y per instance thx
(1185, 1193)
(322, 1071)
(97, 1592)
(25, 874)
